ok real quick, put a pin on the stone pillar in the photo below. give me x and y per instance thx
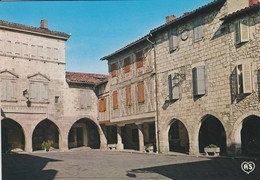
(140, 137)
(120, 145)
(28, 141)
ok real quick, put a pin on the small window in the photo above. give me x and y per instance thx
(39, 91)
(139, 59)
(244, 78)
(57, 99)
(173, 40)
(241, 31)
(173, 85)
(198, 29)
(198, 79)
(102, 105)
(115, 101)
(140, 91)
(128, 95)
(127, 62)
(8, 89)
(113, 69)
(85, 99)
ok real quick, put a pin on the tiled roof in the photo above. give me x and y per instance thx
(241, 12)
(205, 8)
(87, 78)
(36, 30)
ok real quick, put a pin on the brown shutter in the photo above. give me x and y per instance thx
(113, 69)
(115, 102)
(102, 105)
(128, 96)
(140, 91)
(139, 59)
(127, 65)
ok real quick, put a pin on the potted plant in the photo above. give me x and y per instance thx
(212, 149)
(46, 145)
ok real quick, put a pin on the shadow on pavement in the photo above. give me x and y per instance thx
(26, 167)
(215, 168)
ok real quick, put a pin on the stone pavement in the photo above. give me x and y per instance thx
(96, 164)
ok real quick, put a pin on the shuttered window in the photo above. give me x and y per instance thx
(140, 91)
(241, 31)
(115, 100)
(198, 79)
(173, 40)
(113, 69)
(127, 62)
(198, 29)
(102, 105)
(39, 91)
(139, 59)
(8, 90)
(128, 96)
(173, 85)
(244, 78)
(85, 100)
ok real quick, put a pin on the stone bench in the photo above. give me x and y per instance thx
(111, 146)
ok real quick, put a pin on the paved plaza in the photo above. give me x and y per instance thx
(121, 165)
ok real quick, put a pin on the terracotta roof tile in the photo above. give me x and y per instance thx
(87, 78)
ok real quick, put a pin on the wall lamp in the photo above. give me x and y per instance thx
(26, 95)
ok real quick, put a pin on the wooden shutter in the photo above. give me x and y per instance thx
(244, 30)
(175, 88)
(45, 92)
(127, 64)
(12, 90)
(198, 79)
(170, 86)
(115, 101)
(173, 39)
(33, 91)
(84, 99)
(139, 59)
(128, 96)
(198, 29)
(113, 69)
(140, 91)
(102, 105)
(3, 90)
(239, 74)
(247, 78)
(237, 32)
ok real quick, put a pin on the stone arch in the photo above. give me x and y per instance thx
(237, 132)
(84, 132)
(211, 131)
(178, 136)
(46, 130)
(13, 136)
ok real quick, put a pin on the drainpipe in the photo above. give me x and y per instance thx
(156, 95)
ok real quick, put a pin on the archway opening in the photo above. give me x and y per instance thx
(12, 136)
(178, 137)
(46, 130)
(250, 136)
(212, 132)
(84, 133)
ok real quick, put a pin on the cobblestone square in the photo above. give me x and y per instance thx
(121, 165)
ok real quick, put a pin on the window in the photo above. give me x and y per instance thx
(244, 78)
(57, 99)
(198, 29)
(8, 89)
(173, 40)
(85, 99)
(139, 59)
(102, 105)
(173, 84)
(241, 31)
(115, 101)
(39, 91)
(140, 91)
(17, 48)
(127, 62)
(113, 69)
(128, 95)
(198, 79)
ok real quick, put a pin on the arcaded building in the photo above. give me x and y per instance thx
(39, 100)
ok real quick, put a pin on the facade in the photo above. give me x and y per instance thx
(39, 100)
(205, 76)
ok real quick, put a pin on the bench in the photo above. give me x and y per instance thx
(111, 146)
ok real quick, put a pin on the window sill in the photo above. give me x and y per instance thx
(13, 101)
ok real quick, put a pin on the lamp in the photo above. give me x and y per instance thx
(26, 95)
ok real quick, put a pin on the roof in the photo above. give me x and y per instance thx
(87, 78)
(242, 12)
(205, 8)
(33, 30)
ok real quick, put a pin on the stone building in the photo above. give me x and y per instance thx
(39, 100)
(205, 79)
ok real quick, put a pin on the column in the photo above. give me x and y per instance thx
(140, 137)
(120, 145)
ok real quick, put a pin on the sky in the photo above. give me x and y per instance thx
(97, 28)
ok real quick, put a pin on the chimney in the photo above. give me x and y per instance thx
(170, 18)
(44, 24)
(253, 2)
